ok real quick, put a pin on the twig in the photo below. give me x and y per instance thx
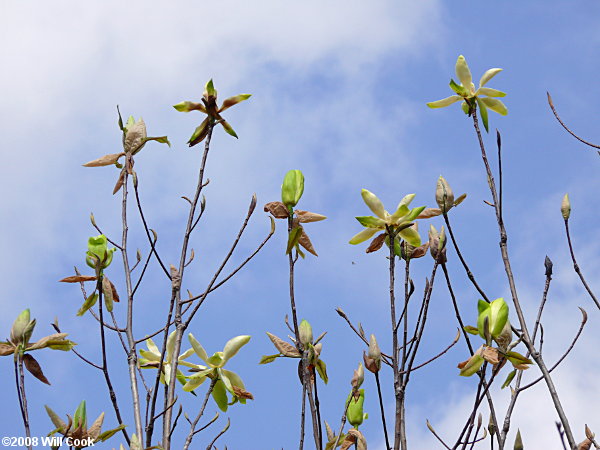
(561, 359)
(20, 383)
(576, 266)
(343, 422)
(564, 126)
(431, 429)
(462, 260)
(111, 391)
(430, 360)
(190, 436)
(223, 431)
(385, 432)
(509, 274)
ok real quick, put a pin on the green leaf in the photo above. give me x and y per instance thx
(219, 395)
(233, 346)
(490, 92)
(471, 330)
(472, 366)
(460, 90)
(463, 73)
(509, 378)
(189, 106)
(488, 75)
(411, 236)
(105, 435)
(414, 213)
(228, 128)
(444, 102)
(89, 302)
(322, 370)
(293, 239)
(363, 236)
(216, 360)
(199, 134)
(495, 105)
(484, 113)
(160, 139)
(371, 222)
(210, 88)
(196, 380)
(228, 103)
(80, 416)
(266, 359)
(198, 348)
(373, 203)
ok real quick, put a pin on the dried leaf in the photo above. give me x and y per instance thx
(588, 433)
(105, 160)
(6, 349)
(78, 279)
(585, 445)
(94, 430)
(330, 433)
(376, 243)
(429, 212)
(284, 347)
(119, 182)
(108, 293)
(460, 199)
(56, 420)
(490, 354)
(304, 241)
(421, 251)
(34, 368)
(242, 393)
(307, 216)
(277, 210)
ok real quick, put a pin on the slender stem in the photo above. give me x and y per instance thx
(342, 422)
(576, 266)
(20, 383)
(385, 432)
(302, 416)
(462, 260)
(131, 357)
(176, 279)
(395, 347)
(511, 281)
(190, 436)
(111, 391)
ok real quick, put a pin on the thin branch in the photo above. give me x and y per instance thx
(576, 266)
(20, 383)
(223, 431)
(381, 408)
(565, 127)
(147, 230)
(561, 359)
(111, 391)
(452, 344)
(462, 260)
(513, 290)
(190, 436)
(431, 429)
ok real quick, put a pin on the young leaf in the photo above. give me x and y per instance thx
(89, 302)
(34, 368)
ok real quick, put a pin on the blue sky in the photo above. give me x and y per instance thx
(339, 91)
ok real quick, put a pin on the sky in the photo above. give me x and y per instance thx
(339, 92)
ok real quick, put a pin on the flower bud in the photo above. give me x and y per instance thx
(305, 332)
(98, 253)
(492, 318)
(355, 412)
(292, 188)
(19, 327)
(373, 357)
(565, 207)
(135, 137)
(359, 377)
(444, 195)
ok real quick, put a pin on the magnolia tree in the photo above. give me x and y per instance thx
(501, 345)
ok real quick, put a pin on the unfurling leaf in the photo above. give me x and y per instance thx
(34, 368)
(266, 359)
(518, 441)
(293, 239)
(277, 210)
(427, 213)
(285, 348)
(376, 243)
(105, 160)
(509, 378)
(307, 216)
(305, 242)
(322, 370)
(77, 279)
(89, 302)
